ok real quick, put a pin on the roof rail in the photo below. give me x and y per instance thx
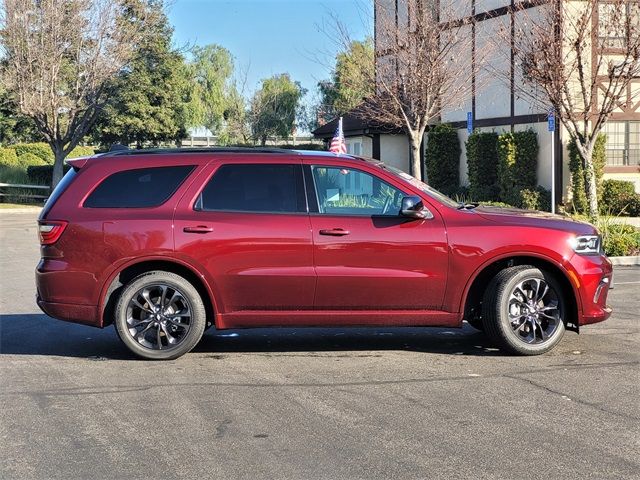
(174, 151)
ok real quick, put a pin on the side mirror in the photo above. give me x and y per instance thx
(413, 207)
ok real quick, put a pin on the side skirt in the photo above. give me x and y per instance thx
(337, 318)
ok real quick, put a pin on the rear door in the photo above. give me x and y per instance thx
(367, 256)
(245, 224)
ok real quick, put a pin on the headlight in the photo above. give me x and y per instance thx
(586, 244)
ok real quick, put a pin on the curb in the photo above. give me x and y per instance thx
(630, 260)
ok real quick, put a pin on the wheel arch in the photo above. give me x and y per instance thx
(125, 273)
(477, 285)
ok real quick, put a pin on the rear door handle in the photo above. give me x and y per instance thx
(198, 229)
(334, 232)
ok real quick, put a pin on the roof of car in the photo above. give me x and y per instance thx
(217, 150)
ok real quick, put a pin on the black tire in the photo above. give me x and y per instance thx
(521, 324)
(147, 322)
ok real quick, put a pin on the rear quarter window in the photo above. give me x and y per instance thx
(142, 187)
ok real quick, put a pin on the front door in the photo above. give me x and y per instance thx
(249, 230)
(367, 256)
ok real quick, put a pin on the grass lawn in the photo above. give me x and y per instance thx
(5, 206)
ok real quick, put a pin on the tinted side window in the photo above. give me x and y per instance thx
(255, 188)
(343, 191)
(143, 187)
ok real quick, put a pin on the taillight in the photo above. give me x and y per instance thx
(50, 231)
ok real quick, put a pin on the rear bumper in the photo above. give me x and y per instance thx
(84, 314)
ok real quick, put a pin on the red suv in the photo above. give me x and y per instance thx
(165, 243)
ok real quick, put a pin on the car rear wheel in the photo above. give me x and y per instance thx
(160, 316)
(524, 310)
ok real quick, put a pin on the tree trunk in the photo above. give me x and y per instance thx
(415, 162)
(590, 184)
(58, 165)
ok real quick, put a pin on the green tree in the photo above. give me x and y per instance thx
(14, 127)
(211, 70)
(150, 98)
(351, 80)
(275, 107)
(59, 57)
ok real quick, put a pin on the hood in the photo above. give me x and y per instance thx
(534, 218)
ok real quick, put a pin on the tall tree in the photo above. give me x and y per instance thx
(150, 98)
(60, 56)
(211, 70)
(582, 59)
(14, 127)
(351, 80)
(421, 67)
(275, 107)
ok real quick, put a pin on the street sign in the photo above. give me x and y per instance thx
(470, 122)
(551, 123)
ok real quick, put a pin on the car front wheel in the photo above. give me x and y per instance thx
(524, 310)
(160, 316)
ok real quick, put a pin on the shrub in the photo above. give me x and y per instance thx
(302, 146)
(619, 239)
(41, 150)
(442, 159)
(578, 194)
(28, 159)
(534, 199)
(619, 198)
(42, 174)
(518, 163)
(8, 157)
(81, 151)
(482, 160)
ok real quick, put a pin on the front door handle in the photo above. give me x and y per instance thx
(198, 229)
(334, 232)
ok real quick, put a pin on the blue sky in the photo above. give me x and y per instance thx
(268, 37)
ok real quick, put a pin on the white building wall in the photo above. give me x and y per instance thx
(394, 151)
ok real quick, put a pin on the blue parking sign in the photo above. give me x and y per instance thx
(551, 120)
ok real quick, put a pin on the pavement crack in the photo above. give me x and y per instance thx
(596, 406)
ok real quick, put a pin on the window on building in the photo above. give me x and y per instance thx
(613, 24)
(255, 188)
(623, 143)
(144, 187)
(354, 148)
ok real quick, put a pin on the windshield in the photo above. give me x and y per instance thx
(432, 192)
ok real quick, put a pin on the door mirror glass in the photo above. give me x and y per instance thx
(413, 207)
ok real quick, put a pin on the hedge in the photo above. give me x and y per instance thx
(518, 164)
(43, 174)
(619, 198)
(482, 160)
(29, 159)
(442, 159)
(578, 194)
(81, 151)
(41, 150)
(8, 157)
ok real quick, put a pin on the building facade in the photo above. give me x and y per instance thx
(495, 102)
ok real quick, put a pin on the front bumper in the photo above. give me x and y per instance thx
(592, 276)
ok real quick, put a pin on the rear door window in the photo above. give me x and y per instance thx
(275, 188)
(142, 187)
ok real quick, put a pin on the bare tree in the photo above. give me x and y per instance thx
(423, 67)
(60, 56)
(582, 58)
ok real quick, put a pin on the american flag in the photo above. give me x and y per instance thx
(338, 144)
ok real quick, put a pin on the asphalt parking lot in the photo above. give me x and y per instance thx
(306, 404)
